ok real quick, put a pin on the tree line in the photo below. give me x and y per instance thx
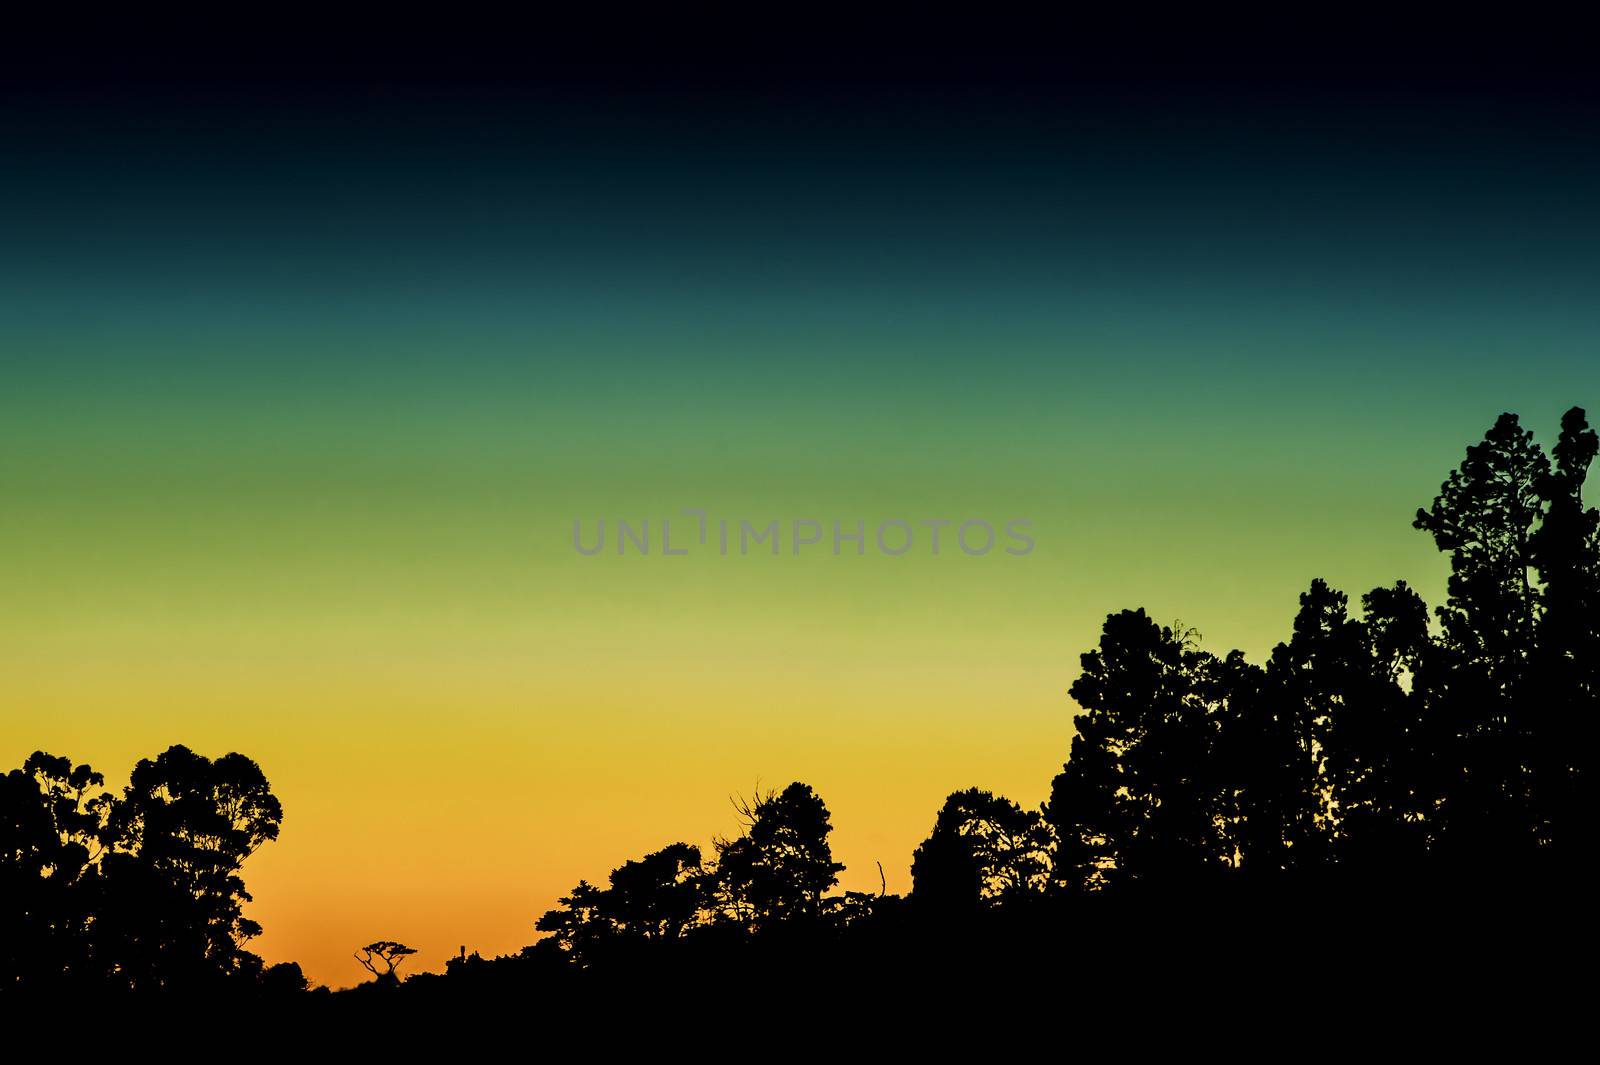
(1379, 755)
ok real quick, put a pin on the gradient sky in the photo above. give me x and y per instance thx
(300, 395)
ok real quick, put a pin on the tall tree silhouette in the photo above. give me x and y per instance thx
(658, 896)
(1380, 741)
(780, 867)
(1140, 797)
(1566, 699)
(984, 849)
(52, 828)
(1258, 765)
(141, 890)
(1486, 518)
(181, 832)
(1311, 678)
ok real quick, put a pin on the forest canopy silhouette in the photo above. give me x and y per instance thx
(1385, 771)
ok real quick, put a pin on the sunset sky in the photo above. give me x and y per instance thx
(299, 401)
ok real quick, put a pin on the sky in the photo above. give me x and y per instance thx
(306, 372)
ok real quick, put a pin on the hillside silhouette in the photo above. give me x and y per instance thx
(1395, 799)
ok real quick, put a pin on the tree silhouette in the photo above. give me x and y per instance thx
(386, 953)
(1381, 772)
(1311, 678)
(189, 822)
(1485, 518)
(658, 896)
(1566, 671)
(577, 924)
(140, 891)
(779, 868)
(52, 826)
(655, 898)
(776, 872)
(984, 849)
(1140, 796)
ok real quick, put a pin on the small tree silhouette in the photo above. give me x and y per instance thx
(387, 952)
